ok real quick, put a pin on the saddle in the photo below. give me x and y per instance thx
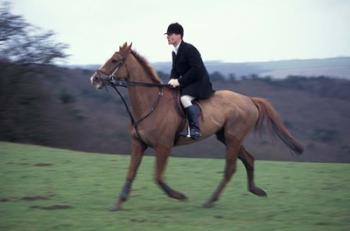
(181, 110)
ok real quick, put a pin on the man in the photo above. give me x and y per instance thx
(190, 75)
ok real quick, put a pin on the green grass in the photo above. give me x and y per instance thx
(51, 189)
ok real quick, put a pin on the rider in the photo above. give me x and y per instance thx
(190, 75)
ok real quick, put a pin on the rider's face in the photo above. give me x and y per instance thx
(174, 39)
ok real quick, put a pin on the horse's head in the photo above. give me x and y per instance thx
(114, 67)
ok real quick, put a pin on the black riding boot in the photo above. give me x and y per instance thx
(193, 113)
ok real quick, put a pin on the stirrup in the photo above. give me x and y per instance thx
(188, 134)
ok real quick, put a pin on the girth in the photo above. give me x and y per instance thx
(122, 83)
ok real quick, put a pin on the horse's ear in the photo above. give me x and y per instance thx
(123, 47)
(129, 47)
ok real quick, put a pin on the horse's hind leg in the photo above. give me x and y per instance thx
(248, 161)
(162, 154)
(232, 150)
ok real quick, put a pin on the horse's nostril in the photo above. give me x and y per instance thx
(93, 79)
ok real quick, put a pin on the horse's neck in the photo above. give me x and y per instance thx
(141, 98)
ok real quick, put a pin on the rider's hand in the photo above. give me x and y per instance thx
(174, 83)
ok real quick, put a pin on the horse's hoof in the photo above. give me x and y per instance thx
(258, 191)
(183, 197)
(178, 196)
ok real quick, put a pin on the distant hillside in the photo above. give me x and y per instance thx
(332, 67)
(57, 107)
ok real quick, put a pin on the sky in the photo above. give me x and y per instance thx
(222, 30)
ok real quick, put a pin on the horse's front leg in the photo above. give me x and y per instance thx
(137, 150)
(162, 154)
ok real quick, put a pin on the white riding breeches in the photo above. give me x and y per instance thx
(186, 100)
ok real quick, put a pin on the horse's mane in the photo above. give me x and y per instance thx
(149, 70)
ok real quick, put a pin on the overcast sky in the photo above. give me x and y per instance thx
(226, 30)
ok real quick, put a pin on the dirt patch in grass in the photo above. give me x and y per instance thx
(37, 197)
(5, 199)
(42, 164)
(27, 198)
(51, 207)
(138, 220)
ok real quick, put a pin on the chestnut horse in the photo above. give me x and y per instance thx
(156, 122)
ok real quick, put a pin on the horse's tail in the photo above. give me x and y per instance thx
(269, 115)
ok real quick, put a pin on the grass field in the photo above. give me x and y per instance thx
(51, 189)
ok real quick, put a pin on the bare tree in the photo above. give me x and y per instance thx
(22, 42)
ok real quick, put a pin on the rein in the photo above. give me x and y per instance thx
(123, 83)
(111, 81)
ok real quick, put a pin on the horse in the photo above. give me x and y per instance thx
(156, 122)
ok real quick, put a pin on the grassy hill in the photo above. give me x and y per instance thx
(54, 189)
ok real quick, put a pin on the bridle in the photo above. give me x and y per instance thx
(111, 80)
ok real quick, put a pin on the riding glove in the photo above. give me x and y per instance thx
(174, 82)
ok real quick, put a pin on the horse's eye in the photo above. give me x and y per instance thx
(114, 61)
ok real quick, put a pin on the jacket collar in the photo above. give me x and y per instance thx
(176, 48)
(179, 51)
